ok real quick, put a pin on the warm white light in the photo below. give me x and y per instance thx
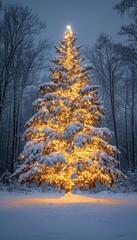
(69, 27)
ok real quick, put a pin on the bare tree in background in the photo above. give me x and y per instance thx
(128, 53)
(22, 57)
(108, 71)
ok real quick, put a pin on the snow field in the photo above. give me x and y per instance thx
(30, 217)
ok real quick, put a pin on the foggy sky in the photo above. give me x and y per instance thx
(88, 18)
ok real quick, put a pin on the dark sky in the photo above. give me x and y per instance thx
(88, 18)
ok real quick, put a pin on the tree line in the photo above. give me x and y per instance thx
(24, 60)
(116, 70)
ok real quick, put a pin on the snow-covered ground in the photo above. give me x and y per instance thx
(38, 216)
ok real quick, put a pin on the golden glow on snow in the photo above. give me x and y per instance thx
(68, 198)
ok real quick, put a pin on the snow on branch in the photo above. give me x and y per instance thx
(32, 149)
(48, 87)
(42, 113)
(50, 133)
(89, 88)
(87, 67)
(50, 96)
(38, 103)
(29, 131)
(82, 139)
(72, 129)
(87, 98)
(53, 158)
(36, 169)
(100, 132)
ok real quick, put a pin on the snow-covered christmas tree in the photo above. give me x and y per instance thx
(65, 144)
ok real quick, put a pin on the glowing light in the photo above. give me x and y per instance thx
(64, 199)
(69, 27)
(87, 155)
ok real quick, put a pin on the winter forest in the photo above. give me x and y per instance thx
(68, 121)
(24, 65)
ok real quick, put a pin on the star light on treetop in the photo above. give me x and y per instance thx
(69, 27)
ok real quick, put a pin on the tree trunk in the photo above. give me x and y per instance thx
(132, 120)
(127, 144)
(13, 148)
(67, 190)
(112, 99)
(126, 130)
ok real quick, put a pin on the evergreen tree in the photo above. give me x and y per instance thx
(65, 144)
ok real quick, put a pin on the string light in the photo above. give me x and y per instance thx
(69, 99)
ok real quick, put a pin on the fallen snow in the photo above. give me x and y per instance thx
(39, 216)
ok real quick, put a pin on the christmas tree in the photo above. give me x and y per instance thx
(65, 144)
